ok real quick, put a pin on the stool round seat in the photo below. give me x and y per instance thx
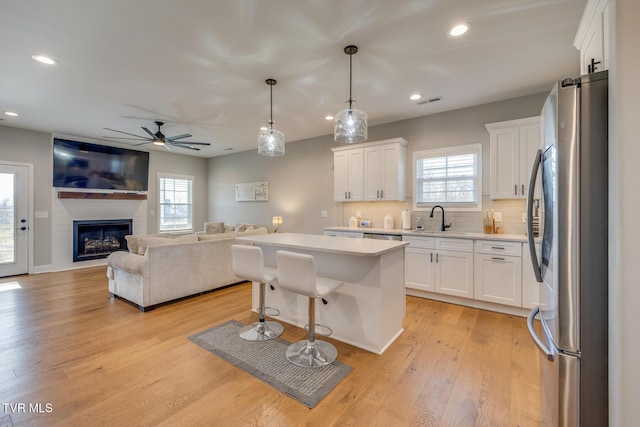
(248, 264)
(297, 273)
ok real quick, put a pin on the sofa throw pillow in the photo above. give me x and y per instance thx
(132, 242)
(146, 241)
(213, 227)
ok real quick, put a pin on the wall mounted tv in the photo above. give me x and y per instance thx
(91, 166)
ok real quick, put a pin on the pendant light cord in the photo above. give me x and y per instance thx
(271, 105)
(350, 78)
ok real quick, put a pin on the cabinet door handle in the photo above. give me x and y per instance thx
(349, 194)
(436, 257)
(515, 189)
(432, 257)
(345, 194)
(382, 194)
(497, 258)
(377, 194)
(523, 189)
(497, 247)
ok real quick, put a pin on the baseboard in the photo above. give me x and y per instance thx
(39, 269)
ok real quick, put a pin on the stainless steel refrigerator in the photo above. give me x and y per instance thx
(572, 268)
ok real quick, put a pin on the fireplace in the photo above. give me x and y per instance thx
(93, 239)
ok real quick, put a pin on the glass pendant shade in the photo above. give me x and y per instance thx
(271, 142)
(350, 126)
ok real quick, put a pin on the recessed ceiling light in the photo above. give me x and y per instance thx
(11, 113)
(43, 59)
(328, 117)
(415, 97)
(458, 30)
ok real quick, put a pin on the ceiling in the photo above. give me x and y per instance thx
(200, 65)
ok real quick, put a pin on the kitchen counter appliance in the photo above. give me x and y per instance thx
(573, 268)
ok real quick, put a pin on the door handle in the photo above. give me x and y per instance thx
(532, 184)
(543, 348)
(523, 189)
(515, 189)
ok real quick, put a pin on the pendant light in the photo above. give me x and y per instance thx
(350, 125)
(270, 140)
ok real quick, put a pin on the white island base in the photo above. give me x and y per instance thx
(368, 310)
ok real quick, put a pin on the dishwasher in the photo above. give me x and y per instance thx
(382, 236)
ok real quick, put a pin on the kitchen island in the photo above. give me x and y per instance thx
(368, 310)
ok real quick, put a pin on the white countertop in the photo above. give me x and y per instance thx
(343, 245)
(431, 233)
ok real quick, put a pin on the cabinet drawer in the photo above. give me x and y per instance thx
(494, 247)
(461, 245)
(420, 242)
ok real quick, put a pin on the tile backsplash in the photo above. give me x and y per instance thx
(511, 210)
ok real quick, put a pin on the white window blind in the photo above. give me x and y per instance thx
(451, 177)
(175, 203)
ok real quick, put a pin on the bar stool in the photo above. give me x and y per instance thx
(248, 264)
(297, 273)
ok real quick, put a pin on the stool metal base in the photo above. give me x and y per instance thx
(311, 354)
(261, 331)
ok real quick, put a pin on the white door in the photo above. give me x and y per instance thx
(14, 219)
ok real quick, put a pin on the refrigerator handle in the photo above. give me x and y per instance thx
(532, 247)
(543, 348)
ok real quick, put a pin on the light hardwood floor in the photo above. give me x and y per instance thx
(90, 360)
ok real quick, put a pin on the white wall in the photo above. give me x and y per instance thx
(624, 237)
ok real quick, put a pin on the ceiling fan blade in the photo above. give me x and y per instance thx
(166, 147)
(127, 133)
(122, 137)
(184, 135)
(142, 143)
(189, 143)
(186, 146)
(149, 132)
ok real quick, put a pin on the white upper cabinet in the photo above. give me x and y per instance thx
(592, 39)
(377, 172)
(348, 173)
(513, 145)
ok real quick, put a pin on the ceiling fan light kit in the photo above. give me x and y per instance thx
(270, 140)
(350, 125)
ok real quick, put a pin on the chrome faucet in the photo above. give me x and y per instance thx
(443, 227)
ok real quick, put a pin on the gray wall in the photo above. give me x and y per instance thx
(301, 182)
(164, 162)
(26, 146)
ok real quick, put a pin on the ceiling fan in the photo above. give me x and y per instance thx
(158, 138)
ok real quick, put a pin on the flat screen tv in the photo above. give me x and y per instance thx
(91, 166)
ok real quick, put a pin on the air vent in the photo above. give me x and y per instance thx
(430, 100)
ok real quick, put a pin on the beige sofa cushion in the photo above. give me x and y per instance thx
(219, 236)
(145, 241)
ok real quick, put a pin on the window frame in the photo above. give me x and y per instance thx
(191, 204)
(444, 152)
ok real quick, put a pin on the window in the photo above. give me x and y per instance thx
(175, 202)
(451, 177)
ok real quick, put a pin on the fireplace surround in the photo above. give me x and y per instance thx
(93, 239)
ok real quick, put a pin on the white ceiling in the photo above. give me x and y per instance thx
(200, 65)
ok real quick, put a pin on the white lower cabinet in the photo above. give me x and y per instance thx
(428, 267)
(498, 272)
(530, 287)
(454, 273)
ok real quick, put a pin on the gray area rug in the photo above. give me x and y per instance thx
(266, 360)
